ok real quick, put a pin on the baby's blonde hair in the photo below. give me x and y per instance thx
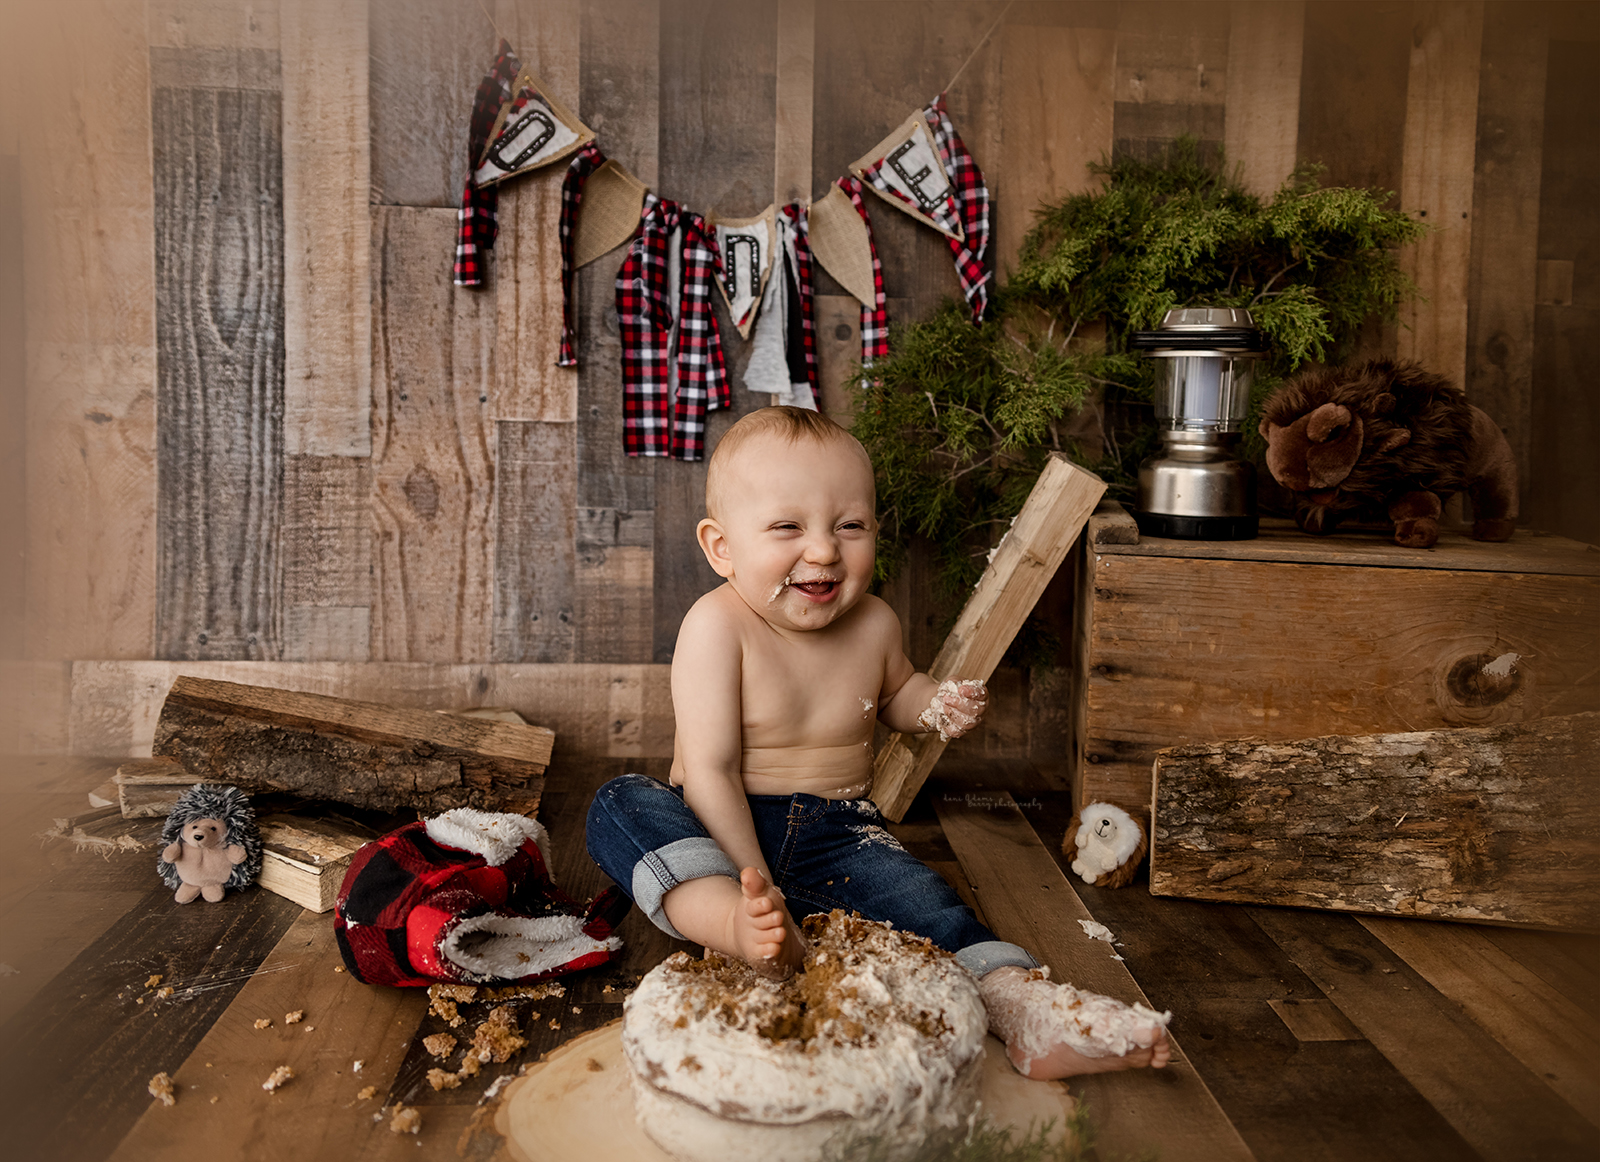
(790, 424)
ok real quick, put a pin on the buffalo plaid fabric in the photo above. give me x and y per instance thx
(874, 319)
(588, 159)
(796, 213)
(972, 196)
(655, 420)
(477, 223)
(405, 893)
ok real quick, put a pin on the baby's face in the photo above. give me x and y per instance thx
(795, 533)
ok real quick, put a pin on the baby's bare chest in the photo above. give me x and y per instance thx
(825, 694)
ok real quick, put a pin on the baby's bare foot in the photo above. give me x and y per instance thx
(1054, 1030)
(760, 930)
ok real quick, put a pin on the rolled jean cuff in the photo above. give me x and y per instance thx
(663, 869)
(979, 959)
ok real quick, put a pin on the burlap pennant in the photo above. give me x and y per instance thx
(612, 202)
(839, 240)
(532, 130)
(746, 246)
(905, 170)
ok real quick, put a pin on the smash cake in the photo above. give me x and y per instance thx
(880, 1036)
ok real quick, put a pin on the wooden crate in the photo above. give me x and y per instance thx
(1291, 636)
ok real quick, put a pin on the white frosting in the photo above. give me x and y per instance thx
(1032, 1014)
(941, 716)
(494, 835)
(881, 1035)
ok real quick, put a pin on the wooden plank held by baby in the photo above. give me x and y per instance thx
(1019, 569)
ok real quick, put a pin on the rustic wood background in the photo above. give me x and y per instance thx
(246, 417)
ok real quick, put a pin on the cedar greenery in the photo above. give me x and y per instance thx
(960, 418)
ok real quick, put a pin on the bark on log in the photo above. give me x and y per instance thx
(1490, 825)
(362, 753)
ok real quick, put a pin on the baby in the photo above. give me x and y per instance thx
(777, 680)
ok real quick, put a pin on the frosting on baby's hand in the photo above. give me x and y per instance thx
(956, 708)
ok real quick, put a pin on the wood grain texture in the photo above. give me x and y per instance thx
(1172, 71)
(427, 58)
(613, 582)
(318, 1114)
(88, 255)
(1023, 563)
(1384, 653)
(366, 754)
(1495, 1103)
(622, 710)
(794, 97)
(218, 168)
(34, 702)
(327, 153)
(1263, 99)
(1545, 1031)
(433, 446)
(1436, 181)
(1011, 871)
(327, 558)
(535, 598)
(1505, 199)
(1058, 88)
(1492, 824)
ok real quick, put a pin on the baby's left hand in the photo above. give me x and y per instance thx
(956, 708)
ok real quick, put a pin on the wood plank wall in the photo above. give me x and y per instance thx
(253, 419)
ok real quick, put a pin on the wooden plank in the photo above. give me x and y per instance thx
(528, 384)
(327, 304)
(428, 57)
(1315, 1020)
(1233, 673)
(623, 710)
(1058, 87)
(433, 446)
(318, 1114)
(327, 558)
(1567, 962)
(612, 585)
(103, 1045)
(1023, 563)
(218, 169)
(88, 255)
(1170, 1110)
(1265, 45)
(1353, 82)
(796, 60)
(1505, 243)
(34, 707)
(1495, 1103)
(1493, 823)
(1172, 70)
(1549, 1034)
(367, 754)
(535, 598)
(1436, 183)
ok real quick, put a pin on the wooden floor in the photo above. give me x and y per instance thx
(1302, 1035)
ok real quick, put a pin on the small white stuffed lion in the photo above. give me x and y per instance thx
(1106, 844)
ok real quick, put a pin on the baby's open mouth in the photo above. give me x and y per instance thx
(815, 589)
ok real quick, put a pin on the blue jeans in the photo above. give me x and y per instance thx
(824, 854)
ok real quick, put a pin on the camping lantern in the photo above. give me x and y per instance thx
(1197, 487)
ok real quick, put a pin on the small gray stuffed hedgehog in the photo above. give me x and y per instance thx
(209, 843)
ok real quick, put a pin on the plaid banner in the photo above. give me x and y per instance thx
(972, 196)
(477, 222)
(656, 421)
(796, 213)
(588, 159)
(874, 319)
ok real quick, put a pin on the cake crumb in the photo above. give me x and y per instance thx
(311, 1029)
(281, 1076)
(263, 1022)
(214, 1099)
(406, 1120)
(439, 1044)
(498, 1037)
(356, 1068)
(367, 1093)
(140, 1001)
(440, 1079)
(295, 1017)
(163, 992)
(155, 979)
(469, 1066)
(160, 1088)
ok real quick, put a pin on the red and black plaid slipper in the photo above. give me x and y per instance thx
(467, 897)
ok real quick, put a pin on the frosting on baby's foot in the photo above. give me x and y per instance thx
(955, 709)
(1035, 1016)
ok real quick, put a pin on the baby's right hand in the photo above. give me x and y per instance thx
(956, 708)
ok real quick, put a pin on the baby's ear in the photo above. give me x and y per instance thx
(714, 544)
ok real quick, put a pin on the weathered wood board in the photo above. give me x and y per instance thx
(1262, 118)
(366, 754)
(1023, 563)
(1172, 74)
(1486, 824)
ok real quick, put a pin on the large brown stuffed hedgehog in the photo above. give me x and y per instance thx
(1390, 437)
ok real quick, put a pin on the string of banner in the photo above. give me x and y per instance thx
(673, 371)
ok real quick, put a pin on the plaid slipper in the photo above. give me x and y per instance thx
(467, 897)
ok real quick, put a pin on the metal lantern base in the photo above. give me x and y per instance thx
(1196, 490)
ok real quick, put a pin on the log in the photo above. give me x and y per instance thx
(1497, 825)
(361, 753)
(1019, 569)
